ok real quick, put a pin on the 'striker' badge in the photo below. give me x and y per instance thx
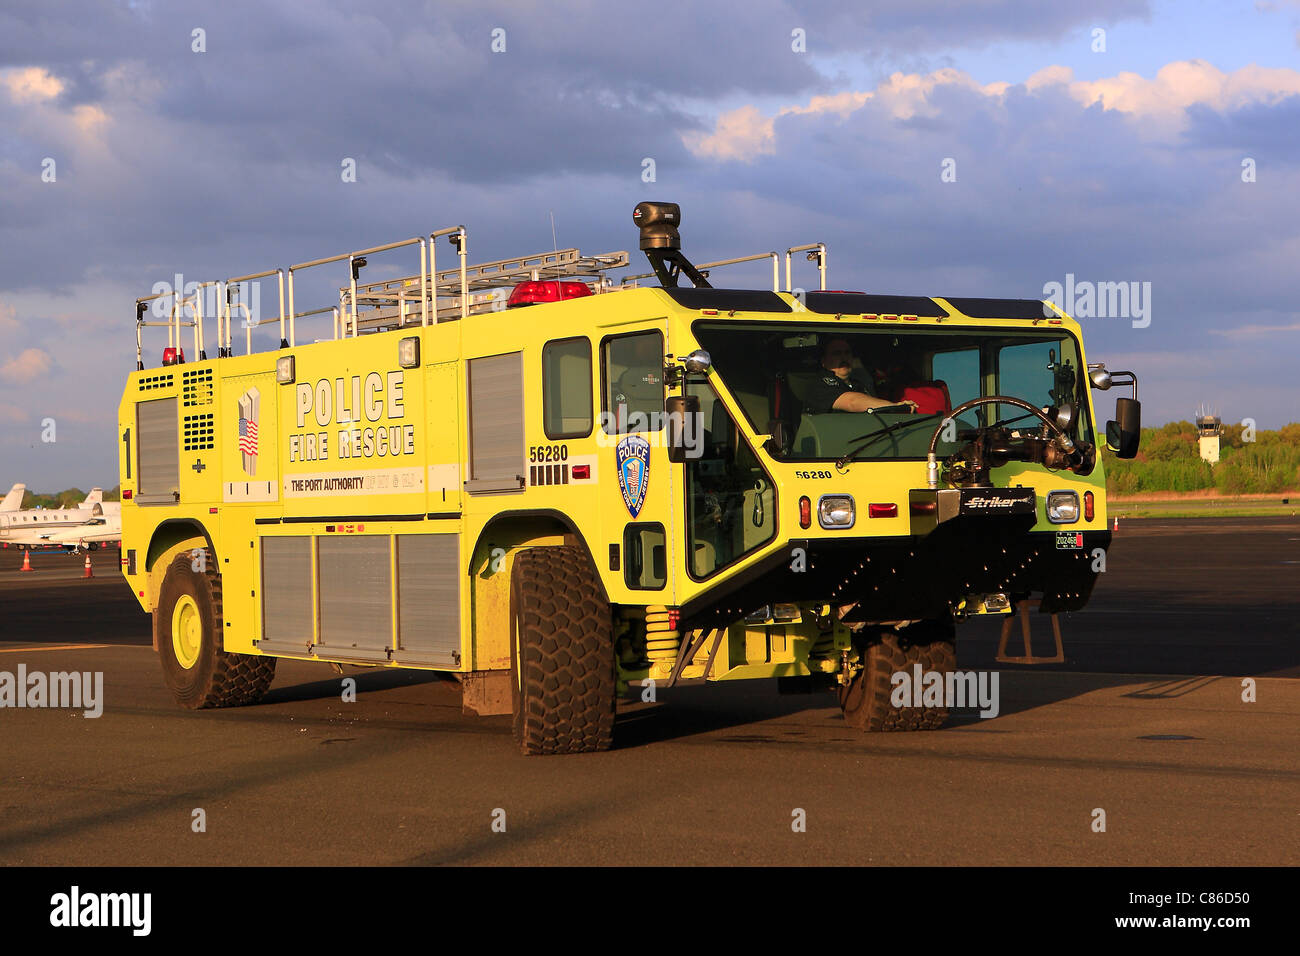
(633, 459)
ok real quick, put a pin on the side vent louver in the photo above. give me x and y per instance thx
(199, 432)
(196, 388)
(150, 382)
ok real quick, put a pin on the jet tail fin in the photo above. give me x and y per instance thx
(95, 497)
(14, 500)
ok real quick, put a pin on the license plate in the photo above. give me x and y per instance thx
(998, 501)
(1069, 541)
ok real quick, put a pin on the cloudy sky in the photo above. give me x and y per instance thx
(949, 147)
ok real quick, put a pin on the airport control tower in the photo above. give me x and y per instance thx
(1208, 429)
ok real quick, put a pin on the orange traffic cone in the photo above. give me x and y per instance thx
(1116, 525)
(88, 573)
(27, 561)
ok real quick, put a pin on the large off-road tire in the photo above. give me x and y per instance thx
(561, 653)
(866, 700)
(189, 631)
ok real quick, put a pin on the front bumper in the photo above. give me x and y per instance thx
(915, 576)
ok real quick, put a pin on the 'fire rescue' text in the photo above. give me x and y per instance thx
(351, 402)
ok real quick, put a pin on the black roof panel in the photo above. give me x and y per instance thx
(854, 303)
(1002, 308)
(728, 300)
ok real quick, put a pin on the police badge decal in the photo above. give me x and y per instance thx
(632, 456)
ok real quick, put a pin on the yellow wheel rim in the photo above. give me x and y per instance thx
(187, 631)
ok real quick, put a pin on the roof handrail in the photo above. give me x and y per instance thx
(458, 239)
(703, 267)
(237, 281)
(352, 258)
(819, 256)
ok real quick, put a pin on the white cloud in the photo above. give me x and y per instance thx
(34, 112)
(740, 134)
(746, 133)
(31, 84)
(1185, 83)
(27, 365)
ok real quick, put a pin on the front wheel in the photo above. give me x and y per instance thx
(563, 682)
(868, 700)
(188, 626)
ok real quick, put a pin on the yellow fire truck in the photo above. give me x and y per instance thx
(564, 489)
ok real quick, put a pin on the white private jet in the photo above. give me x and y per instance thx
(32, 528)
(14, 500)
(97, 531)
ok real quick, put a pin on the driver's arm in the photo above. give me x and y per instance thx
(859, 402)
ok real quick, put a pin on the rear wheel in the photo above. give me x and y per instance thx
(188, 629)
(867, 699)
(561, 653)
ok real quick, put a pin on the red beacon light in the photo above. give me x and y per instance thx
(173, 356)
(537, 291)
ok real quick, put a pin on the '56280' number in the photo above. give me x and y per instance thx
(545, 453)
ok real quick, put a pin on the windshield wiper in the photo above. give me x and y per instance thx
(1010, 421)
(875, 436)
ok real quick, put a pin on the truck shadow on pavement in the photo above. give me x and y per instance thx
(695, 711)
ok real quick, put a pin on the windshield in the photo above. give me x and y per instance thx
(818, 386)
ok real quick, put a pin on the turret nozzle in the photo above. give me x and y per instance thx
(658, 222)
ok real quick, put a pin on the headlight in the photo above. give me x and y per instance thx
(835, 511)
(785, 613)
(1062, 507)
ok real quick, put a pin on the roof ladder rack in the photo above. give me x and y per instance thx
(473, 288)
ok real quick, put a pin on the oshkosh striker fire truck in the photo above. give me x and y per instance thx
(560, 488)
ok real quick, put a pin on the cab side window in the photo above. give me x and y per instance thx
(960, 371)
(632, 377)
(566, 388)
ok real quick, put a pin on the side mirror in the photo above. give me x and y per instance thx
(1123, 434)
(698, 361)
(1099, 377)
(779, 442)
(685, 430)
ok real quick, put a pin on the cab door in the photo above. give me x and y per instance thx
(637, 498)
(729, 498)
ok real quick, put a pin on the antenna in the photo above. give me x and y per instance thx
(555, 245)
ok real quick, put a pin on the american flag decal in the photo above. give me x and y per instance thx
(247, 436)
(250, 404)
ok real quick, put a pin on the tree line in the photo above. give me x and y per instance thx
(71, 498)
(1169, 459)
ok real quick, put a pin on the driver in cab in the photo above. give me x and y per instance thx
(839, 388)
